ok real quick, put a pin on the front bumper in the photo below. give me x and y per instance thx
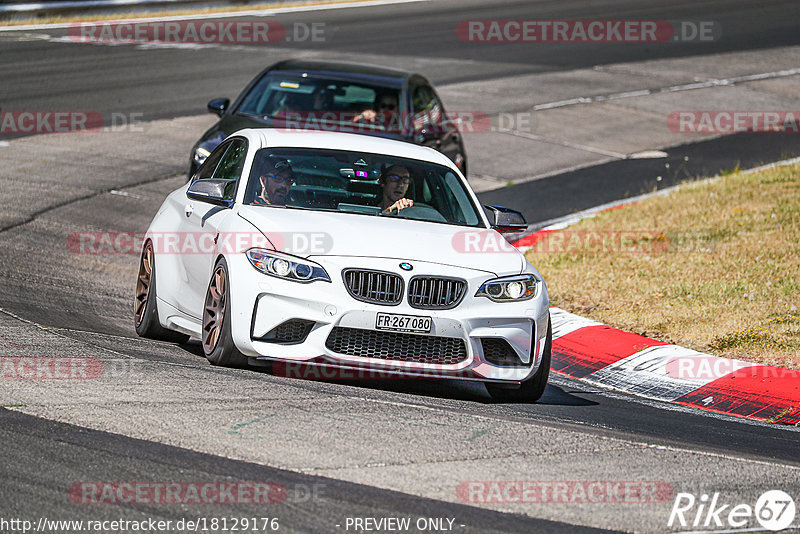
(261, 303)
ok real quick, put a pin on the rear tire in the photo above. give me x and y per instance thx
(218, 345)
(532, 389)
(145, 310)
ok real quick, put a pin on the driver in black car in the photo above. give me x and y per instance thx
(394, 183)
(384, 109)
(276, 183)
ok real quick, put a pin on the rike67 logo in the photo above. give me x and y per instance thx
(774, 510)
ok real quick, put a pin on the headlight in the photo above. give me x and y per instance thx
(510, 288)
(285, 266)
(200, 155)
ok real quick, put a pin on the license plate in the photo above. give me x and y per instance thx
(403, 323)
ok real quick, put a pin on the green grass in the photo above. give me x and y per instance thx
(714, 266)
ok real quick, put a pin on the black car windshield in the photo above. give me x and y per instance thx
(362, 183)
(303, 99)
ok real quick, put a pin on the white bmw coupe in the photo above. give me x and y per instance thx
(344, 252)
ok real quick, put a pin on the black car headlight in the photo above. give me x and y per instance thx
(285, 266)
(510, 288)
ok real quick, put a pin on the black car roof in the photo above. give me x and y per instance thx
(341, 67)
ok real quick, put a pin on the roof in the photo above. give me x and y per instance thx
(271, 137)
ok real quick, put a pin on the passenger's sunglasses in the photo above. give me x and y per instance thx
(395, 178)
(388, 106)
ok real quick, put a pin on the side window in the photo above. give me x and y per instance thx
(231, 166)
(207, 169)
(427, 107)
(457, 197)
(437, 109)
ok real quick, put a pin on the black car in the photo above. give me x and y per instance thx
(337, 96)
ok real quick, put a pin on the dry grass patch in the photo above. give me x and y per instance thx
(714, 266)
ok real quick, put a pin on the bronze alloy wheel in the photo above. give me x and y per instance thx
(143, 283)
(214, 312)
(145, 308)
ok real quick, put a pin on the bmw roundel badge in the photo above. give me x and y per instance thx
(406, 266)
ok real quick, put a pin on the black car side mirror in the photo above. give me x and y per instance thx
(506, 221)
(218, 106)
(212, 191)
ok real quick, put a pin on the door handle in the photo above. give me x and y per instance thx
(188, 209)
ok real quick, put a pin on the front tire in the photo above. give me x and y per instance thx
(532, 389)
(217, 340)
(145, 310)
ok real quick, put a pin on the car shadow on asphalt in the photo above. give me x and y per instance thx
(557, 396)
(462, 390)
(468, 391)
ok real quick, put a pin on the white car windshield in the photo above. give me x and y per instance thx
(362, 183)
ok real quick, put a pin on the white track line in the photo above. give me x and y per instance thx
(716, 82)
(569, 144)
(226, 14)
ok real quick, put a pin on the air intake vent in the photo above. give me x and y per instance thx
(498, 352)
(435, 293)
(289, 332)
(397, 346)
(375, 287)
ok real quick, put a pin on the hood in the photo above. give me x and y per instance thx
(311, 120)
(309, 234)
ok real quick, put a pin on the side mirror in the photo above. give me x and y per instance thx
(506, 221)
(218, 106)
(212, 191)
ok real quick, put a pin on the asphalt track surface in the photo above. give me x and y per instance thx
(61, 304)
(176, 82)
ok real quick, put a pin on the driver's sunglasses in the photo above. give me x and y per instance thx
(290, 180)
(395, 178)
(388, 106)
